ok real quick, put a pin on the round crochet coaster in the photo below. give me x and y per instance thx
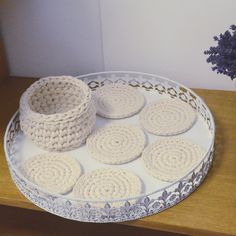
(169, 159)
(117, 101)
(167, 117)
(57, 173)
(107, 184)
(116, 143)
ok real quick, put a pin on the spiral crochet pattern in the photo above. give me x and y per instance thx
(117, 101)
(169, 159)
(116, 143)
(57, 173)
(107, 184)
(167, 117)
(57, 113)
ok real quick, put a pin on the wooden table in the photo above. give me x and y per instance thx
(210, 210)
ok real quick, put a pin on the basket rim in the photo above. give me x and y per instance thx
(26, 110)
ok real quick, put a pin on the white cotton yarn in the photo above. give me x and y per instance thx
(167, 117)
(57, 173)
(116, 143)
(57, 113)
(117, 101)
(169, 159)
(107, 184)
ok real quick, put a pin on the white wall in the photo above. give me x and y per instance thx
(165, 37)
(52, 37)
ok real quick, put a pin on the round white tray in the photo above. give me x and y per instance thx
(157, 195)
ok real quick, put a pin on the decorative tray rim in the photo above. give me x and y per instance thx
(122, 199)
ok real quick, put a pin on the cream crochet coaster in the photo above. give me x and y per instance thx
(169, 159)
(116, 143)
(167, 117)
(107, 184)
(57, 173)
(118, 101)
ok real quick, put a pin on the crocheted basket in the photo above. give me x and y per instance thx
(57, 113)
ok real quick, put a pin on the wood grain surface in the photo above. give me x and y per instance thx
(4, 71)
(210, 210)
(22, 222)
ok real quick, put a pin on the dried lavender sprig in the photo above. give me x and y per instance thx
(223, 56)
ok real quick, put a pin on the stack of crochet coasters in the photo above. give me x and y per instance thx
(117, 101)
(58, 114)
